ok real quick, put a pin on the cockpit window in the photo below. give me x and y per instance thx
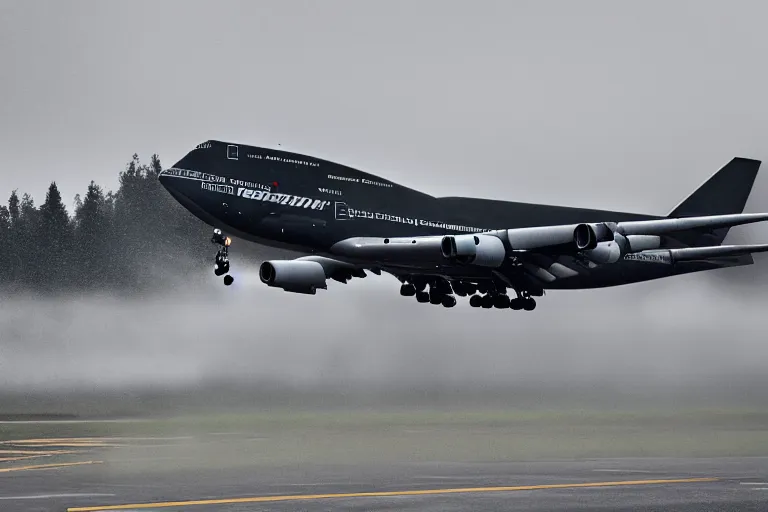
(232, 151)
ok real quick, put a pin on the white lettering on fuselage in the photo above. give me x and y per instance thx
(364, 181)
(194, 175)
(375, 183)
(283, 199)
(249, 184)
(344, 212)
(281, 159)
(651, 257)
(329, 191)
(214, 187)
(343, 178)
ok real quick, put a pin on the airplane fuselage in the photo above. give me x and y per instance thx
(292, 201)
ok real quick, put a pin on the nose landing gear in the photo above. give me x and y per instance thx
(221, 266)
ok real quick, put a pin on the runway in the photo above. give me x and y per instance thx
(257, 470)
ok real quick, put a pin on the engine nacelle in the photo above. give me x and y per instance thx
(566, 238)
(293, 276)
(639, 243)
(611, 252)
(604, 252)
(481, 250)
(584, 237)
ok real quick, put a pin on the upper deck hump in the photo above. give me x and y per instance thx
(335, 171)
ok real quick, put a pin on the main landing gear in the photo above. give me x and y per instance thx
(481, 295)
(495, 297)
(221, 266)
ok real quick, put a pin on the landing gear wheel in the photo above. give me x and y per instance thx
(407, 290)
(529, 304)
(459, 289)
(501, 302)
(475, 301)
(516, 304)
(435, 298)
(422, 296)
(221, 266)
(449, 301)
(487, 302)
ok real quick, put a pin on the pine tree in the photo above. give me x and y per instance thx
(5, 244)
(26, 235)
(13, 207)
(56, 240)
(92, 218)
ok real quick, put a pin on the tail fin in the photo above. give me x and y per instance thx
(723, 193)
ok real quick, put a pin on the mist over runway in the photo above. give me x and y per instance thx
(691, 332)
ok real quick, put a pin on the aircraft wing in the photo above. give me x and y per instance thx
(544, 254)
(549, 253)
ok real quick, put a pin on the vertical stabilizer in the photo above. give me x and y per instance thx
(723, 193)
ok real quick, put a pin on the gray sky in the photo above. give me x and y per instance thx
(613, 104)
(616, 105)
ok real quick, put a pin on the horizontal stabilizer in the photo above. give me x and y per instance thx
(663, 226)
(718, 251)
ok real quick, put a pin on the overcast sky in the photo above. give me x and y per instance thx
(615, 105)
(624, 105)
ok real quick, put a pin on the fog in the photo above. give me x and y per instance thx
(689, 332)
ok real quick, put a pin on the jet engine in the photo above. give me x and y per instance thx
(584, 237)
(611, 252)
(604, 252)
(293, 276)
(481, 250)
(578, 237)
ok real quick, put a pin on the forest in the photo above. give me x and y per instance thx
(124, 241)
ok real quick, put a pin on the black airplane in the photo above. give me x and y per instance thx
(348, 222)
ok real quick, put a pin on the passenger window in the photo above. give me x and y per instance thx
(232, 152)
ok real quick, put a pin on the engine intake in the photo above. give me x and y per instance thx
(293, 276)
(584, 237)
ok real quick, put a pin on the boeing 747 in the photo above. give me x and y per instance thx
(500, 254)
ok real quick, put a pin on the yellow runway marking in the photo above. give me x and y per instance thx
(49, 466)
(72, 445)
(35, 452)
(422, 492)
(52, 440)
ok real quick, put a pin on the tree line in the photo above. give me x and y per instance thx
(123, 241)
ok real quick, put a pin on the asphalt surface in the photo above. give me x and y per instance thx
(172, 473)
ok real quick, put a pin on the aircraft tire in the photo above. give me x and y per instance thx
(501, 302)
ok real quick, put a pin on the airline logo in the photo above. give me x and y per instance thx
(282, 199)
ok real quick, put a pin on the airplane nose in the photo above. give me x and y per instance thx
(164, 179)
